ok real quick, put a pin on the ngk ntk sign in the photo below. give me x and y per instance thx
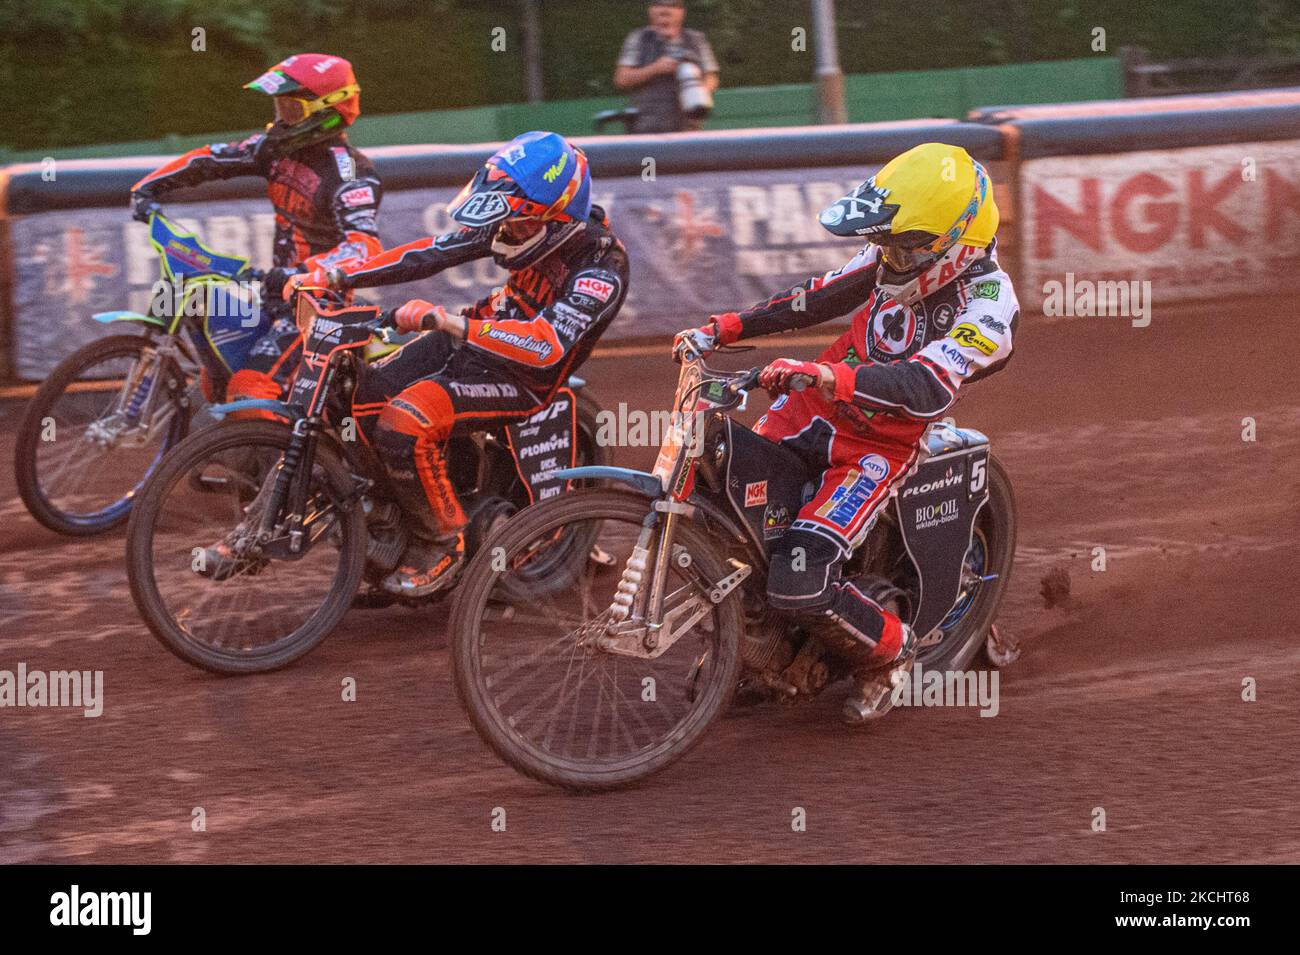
(1208, 222)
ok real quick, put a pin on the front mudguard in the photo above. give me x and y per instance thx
(280, 409)
(107, 318)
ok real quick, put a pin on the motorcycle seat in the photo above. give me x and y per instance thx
(942, 438)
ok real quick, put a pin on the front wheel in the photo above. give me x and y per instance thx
(96, 428)
(208, 589)
(534, 678)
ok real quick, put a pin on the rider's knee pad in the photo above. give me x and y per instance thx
(423, 410)
(802, 570)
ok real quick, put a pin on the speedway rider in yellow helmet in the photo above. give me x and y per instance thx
(930, 311)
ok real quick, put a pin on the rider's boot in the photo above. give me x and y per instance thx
(874, 685)
(427, 566)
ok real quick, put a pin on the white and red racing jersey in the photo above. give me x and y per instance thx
(899, 366)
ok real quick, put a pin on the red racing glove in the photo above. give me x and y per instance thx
(784, 375)
(721, 329)
(418, 315)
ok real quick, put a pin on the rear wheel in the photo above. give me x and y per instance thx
(565, 559)
(259, 608)
(541, 691)
(96, 428)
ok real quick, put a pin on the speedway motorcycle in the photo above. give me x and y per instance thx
(103, 419)
(253, 538)
(608, 680)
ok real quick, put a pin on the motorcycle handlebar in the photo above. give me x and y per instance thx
(749, 381)
(388, 318)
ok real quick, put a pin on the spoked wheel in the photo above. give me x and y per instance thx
(985, 575)
(207, 590)
(96, 428)
(532, 673)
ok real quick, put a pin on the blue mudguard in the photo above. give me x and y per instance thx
(647, 484)
(278, 408)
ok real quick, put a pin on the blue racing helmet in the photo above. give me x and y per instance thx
(538, 176)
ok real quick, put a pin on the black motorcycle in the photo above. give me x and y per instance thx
(612, 677)
(252, 539)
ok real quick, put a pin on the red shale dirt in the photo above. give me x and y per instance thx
(1128, 696)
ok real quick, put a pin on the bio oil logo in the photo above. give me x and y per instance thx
(76, 908)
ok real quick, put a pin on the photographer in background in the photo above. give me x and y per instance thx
(664, 64)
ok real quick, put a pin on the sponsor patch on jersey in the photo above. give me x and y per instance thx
(343, 160)
(598, 289)
(991, 323)
(894, 331)
(943, 316)
(968, 335)
(569, 320)
(756, 494)
(361, 196)
(989, 290)
(960, 362)
(536, 346)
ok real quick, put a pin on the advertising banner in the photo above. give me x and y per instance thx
(698, 243)
(1208, 222)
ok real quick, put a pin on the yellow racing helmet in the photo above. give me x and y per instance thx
(921, 204)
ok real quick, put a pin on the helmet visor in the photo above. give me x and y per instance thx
(905, 257)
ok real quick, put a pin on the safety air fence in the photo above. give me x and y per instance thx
(1173, 199)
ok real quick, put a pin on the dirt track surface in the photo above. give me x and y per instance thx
(1128, 697)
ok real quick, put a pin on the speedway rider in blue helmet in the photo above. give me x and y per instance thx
(501, 359)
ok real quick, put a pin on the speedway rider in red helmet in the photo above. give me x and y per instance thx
(930, 311)
(502, 359)
(325, 192)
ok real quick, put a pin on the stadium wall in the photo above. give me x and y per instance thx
(1200, 203)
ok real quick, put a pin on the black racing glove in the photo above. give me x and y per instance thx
(142, 207)
(274, 279)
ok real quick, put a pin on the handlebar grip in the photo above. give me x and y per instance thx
(747, 382)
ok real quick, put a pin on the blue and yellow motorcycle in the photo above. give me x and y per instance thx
(101, 422)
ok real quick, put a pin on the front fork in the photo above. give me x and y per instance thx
(292, 485)
(631, 630)
(139, 398)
